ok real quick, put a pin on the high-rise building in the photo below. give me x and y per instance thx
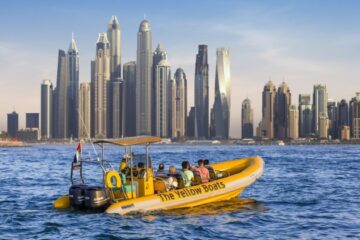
(116, 108)
(320, 98)
(46, 109)
(179, 104)
(129, 75)
(101, 85)
(61, 104)
(247, 121)
(12, 124)
(162, 87)
(84, 110)
(158, 55)
(162, 84)
(305, 115)
(354, 113)
(344, 133)
(191, 123)
(32, 120)
(268, 111)
(343, 113)
(114, 38)
(293, 123)
(332, 116)
(73, 91)
(222, 94)
(282, 104)
(92, 98)
(202, 92)
(143, 80)
(323, 126)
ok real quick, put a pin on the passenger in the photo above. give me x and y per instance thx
(203, 172)
(212, 172)
(171, 182)
(187, 174)
(161, 171)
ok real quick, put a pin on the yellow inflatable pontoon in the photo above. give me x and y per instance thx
(141, 191)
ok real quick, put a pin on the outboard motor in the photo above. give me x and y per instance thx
(77, 196)
(96, 198)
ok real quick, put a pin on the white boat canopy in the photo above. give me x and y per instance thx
(128, 141)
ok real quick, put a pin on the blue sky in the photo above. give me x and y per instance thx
(300, 42)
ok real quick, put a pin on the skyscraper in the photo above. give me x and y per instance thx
(158, 55)
(320, 97)
(84, 110)
(202, 92)
(180, 105)
(73, 91)
(32, 120)
(247, 124)
(129, 75)
(102, 77)
(222, 94)
(92, 98)
(46, 109)
(143, 80)
(343, 115)
(305, 115)
(116, 108)
(191, 123)
(323, 126)
(61, 100)
(332, 115)
(293, 123)
(354, 113)
(114, 37)
(12, 124)
(268, 111)
(162, 83)
(282, 104)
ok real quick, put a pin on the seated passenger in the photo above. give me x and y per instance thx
(187, 174)
(202, 171)
(171, 182)
(161, 171)
(212, 172)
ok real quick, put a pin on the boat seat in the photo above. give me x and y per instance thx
(159, 185)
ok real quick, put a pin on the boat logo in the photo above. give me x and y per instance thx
(185, 193)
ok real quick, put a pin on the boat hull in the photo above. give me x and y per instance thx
(243, 172)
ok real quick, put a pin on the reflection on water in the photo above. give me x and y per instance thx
(222, 207)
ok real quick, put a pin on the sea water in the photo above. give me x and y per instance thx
(308, 192)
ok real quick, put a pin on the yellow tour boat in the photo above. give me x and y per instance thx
(135, 188)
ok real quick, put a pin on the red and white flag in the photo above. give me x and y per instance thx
(77, 154)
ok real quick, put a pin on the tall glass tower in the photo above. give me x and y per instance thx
(202, 93)
(143, 79)
(222, 94)
(73, 95)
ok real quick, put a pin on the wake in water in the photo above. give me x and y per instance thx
(223, 207)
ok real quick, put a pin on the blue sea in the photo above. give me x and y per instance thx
(306, 192)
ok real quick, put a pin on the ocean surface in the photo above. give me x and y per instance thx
(306, 192)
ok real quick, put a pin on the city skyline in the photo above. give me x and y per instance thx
(246, 42)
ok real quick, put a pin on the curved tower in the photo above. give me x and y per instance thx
(222, 94)
(143, 79)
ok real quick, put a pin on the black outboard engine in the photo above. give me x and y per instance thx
(77, 196)
(96, 198)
